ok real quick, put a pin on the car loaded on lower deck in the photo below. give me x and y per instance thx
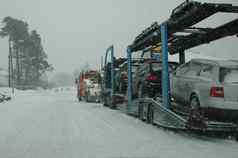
(148, 78)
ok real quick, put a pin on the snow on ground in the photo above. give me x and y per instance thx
(52, 124)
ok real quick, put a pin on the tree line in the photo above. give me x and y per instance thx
(27, 60)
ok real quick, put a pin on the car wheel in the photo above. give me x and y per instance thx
(194, 103)
(196, 117)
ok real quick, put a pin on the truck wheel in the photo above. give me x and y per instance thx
(79, 99)
(87, 99)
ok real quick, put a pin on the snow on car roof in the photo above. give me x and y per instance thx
(225, 63)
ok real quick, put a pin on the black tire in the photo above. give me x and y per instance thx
(142, 93)
(112, 103)
(113, 106)
(196, 117)
(236, 136)
(150, 114)
(87, 100)
(104, 100)
(106, 103)
(194, 103)
(79, 99)
(141, 111)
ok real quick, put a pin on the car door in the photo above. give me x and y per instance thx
(203, 87)
(190, 81)
(176, 82)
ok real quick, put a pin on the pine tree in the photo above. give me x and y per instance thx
(30, 59)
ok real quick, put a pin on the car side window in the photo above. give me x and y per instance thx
(194, 69)
(182, 70)
(206, 71)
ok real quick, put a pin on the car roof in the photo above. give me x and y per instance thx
(160, 62)
(221, 63)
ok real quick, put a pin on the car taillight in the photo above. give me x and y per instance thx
(152, 77)
(217, 92)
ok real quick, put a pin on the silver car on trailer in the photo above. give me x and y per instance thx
(208, 85)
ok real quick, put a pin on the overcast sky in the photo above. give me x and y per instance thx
(78, 31)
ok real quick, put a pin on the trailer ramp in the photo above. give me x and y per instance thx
(164, 117)
(168, 119)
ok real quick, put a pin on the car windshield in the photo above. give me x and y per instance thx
(228, 75)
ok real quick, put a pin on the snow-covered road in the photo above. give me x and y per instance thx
(46, 124)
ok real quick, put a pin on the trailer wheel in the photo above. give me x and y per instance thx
(150, 114)
(236, 136)
(87, 98)
(141, 111)
(106, 101)
(142, 92)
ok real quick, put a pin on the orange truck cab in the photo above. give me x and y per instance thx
(86, 82)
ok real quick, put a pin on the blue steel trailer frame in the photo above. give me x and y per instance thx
(165, 79)
(129, 86)
(181, 20)
(110, 50)
(165, 71)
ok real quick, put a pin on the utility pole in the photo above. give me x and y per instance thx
(9, 62)
(12, 75)
(10, 67)
(101, 63)
(18, 65)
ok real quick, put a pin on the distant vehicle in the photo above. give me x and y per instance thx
(148, 77)
(89, 86)
(93, 91)
(209, 87)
